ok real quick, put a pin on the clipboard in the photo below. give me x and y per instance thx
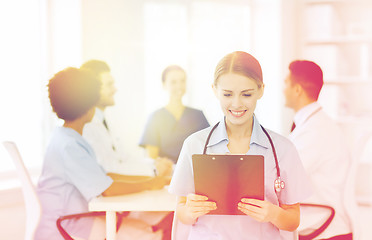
(226, 179)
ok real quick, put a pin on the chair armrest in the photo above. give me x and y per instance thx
(318, 231)
(63, 232)
(66, 236)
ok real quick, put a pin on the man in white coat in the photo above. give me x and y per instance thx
(322, 149)
(110, 154)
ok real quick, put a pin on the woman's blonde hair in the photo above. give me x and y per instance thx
(242, 63)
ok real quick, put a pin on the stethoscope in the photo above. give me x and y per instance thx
(278, 183)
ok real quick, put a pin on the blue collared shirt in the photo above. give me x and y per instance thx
(297, 186)
(167, 133)
(70, 178)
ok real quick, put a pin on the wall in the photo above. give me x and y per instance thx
(112, 31)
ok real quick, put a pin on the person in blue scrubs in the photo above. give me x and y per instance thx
(238, 85)
(168, 127)
(71, 176)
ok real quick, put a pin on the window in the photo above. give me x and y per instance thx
(166, 43)
(194, 35)
(22, 91)
(40, 40)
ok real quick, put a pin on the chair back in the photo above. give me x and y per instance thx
(32, 203)
(361, 180)
(350, 203)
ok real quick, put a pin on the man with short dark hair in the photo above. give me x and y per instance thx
(321, 146)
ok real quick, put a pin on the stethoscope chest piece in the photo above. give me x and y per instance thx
(278, 185)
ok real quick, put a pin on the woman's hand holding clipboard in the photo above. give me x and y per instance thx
(260, 210)
(198, 205)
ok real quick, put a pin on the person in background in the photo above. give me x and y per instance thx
(321, 146)
(168, 127)
(238, 85)
(97, 132)
(108, 149)
(71, 176)
(99, 135)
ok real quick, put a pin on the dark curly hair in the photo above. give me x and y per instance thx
(72, 92)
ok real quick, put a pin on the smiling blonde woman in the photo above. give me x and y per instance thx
(238, 85)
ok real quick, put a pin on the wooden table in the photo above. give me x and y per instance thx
(154, 200)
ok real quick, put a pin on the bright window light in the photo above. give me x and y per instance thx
(194, 36)
(166, 43)
(39, 39)
(21, 84)
(216, 30)
(66, 34)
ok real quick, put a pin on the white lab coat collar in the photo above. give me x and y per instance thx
(303, 114)
(98, 116)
